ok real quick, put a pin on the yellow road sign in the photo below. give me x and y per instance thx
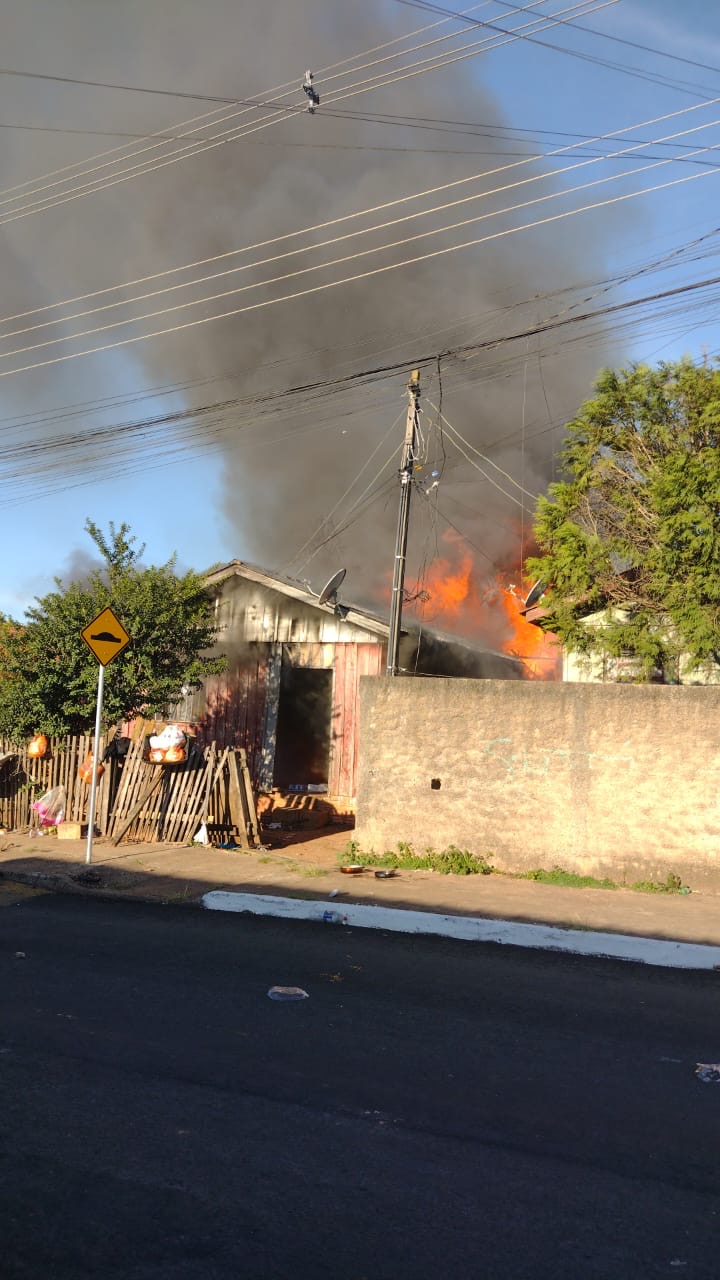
(105, 636)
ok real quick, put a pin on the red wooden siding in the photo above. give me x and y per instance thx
(235, 706)
(231, 709)
(351, 662)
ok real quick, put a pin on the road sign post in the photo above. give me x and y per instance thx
(106, 637)
(95, 762)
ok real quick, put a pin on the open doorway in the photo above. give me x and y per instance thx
(302, 747)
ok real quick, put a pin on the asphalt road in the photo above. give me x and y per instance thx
(433, 1110)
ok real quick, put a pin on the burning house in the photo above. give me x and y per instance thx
(289, 695)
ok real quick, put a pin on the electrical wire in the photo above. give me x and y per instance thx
(232, 134)
(510, 136)
(510, 496)
(367, 212)
(590, 291)
(343, 496)
(636, 72)
(505, 474)
(115, 435)
(334, 240)
(289, 86)
(315, 289)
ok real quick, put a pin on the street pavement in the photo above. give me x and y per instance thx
(433, 1109)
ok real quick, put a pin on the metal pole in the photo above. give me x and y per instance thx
(95, 762)
(406, 475)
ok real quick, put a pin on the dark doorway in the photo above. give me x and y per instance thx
(302, 749)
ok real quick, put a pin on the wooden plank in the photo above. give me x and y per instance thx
(216, 809)
(195, 805)
(337, 721)
(265, 758)
(351, 693)
(188, 829)
(193, 799)
(133, 779)
(237, 808)
(104, 795)
(136, 777)
(80, 791)
(147, 793)
(252, 820)
(371, 662)
(183, 784)
(124, 785)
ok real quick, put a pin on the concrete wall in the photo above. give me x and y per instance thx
(618, 780)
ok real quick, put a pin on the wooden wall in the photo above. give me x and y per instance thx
(351, 662)
(232, 706)
(234, 710)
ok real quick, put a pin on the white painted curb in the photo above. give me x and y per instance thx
(615, 946)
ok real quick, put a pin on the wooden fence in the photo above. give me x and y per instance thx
(136, 800)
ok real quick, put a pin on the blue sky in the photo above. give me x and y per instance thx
(185, 504)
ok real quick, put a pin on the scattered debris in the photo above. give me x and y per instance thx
(384, 875)
(201, 835)
(334, 917)
(51, 807)
(288, 993)
(19, 955)
(333, 893)
(708, 1072)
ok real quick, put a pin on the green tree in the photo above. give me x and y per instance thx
(634, 528)
(48, 677)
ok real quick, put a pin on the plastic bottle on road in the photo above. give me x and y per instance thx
(334, 917)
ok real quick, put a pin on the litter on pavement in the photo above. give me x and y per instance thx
(288, 993)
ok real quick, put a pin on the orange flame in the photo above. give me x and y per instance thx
(538, 650)
(487, 610)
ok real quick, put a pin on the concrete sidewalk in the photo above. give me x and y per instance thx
(309, 869)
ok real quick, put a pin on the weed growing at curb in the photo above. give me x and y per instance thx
(568, 879)
(572, 880)
(459, 862)
(671, 884)
(450, 861)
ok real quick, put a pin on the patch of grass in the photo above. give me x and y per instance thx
(567, 879)
(449, 862)
(572, 880)
(671, 884)
(313, 873)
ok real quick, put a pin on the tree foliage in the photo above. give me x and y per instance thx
(48, 677)
(634, 528)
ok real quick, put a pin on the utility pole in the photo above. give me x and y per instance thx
(406, 475)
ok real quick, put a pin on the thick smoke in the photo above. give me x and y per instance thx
(273, 184)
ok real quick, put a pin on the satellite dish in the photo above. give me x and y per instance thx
(330, 590)
(534, 594)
